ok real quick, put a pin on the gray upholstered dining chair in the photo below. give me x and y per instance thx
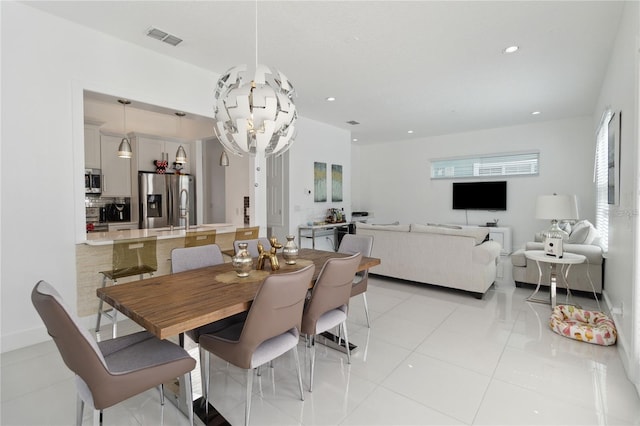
(112, 371)
(252, 245)
(256, 341)
(352, 244)
(184, 259)
(327, 308)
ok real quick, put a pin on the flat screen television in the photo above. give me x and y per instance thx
(480, 195)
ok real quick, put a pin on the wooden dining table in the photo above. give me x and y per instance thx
(171, 304)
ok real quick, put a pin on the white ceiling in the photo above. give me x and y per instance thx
(434, 67)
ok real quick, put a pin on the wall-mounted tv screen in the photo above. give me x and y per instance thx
(480, 195)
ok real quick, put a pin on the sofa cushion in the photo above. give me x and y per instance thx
(445, 226)
(583, 232)
(477, 233)
(396, 228)
(518, 258)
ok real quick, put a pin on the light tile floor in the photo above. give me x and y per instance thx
(431, 357)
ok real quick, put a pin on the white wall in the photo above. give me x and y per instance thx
(319, 142)
(622, 273)
(393, 178)
(46, 64)
(236, 188)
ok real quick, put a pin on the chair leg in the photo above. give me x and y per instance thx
(346, 341)
(104, 283)
(247, 408)
(312, 347)
(161, 390)
(97, 417)
(204, 375)
(114, 320)
(79, 410)
(101, 312)
(188, 396)
(207, 379)
(296, 357)
(366, 309)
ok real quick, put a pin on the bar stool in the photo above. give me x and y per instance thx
(243, 234)
(250, 233)
(199, 238)
(134, 256)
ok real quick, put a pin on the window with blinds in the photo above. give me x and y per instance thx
(493, 165)
(601, 179)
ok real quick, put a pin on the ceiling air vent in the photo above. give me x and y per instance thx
(353, 122)
(164, 36)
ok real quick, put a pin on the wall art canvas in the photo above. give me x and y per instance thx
(614, 159)
(319, 182)
(336, 182)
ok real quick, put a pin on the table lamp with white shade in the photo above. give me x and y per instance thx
(555, 208)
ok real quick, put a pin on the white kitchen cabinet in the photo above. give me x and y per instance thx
(501, 235)
(91, 146)
(116, 170)
(148, 149)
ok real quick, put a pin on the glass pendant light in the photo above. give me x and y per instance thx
(181, 155)
(124, 150)
(224, 159)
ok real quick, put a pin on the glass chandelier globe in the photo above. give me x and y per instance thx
(254, 111)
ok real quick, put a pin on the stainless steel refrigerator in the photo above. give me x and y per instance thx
(166, 200)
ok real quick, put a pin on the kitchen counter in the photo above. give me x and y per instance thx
(95, 254)
(107, 238)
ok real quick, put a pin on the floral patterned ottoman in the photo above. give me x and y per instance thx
(585, 326)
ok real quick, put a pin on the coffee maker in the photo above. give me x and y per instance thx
(119, 211)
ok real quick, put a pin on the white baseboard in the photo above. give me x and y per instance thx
(624, 346)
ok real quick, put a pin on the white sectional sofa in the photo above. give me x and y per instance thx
(444, 255)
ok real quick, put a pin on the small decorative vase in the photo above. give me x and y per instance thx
(242, 261)
(290, 251)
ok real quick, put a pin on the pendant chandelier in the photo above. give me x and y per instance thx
(254, 110)
(124, 150)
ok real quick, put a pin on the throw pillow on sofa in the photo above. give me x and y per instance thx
(583, 232)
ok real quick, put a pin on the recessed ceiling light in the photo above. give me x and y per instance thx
(353, 122)
(535, 113)
(355, 139)
(409, 131)
(511, 49)
(330, 99)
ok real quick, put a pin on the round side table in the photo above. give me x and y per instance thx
(539, 256)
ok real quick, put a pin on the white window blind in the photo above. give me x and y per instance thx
(509, 164)
(601, 179)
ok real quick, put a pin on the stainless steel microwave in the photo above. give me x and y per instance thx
(92, 181)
